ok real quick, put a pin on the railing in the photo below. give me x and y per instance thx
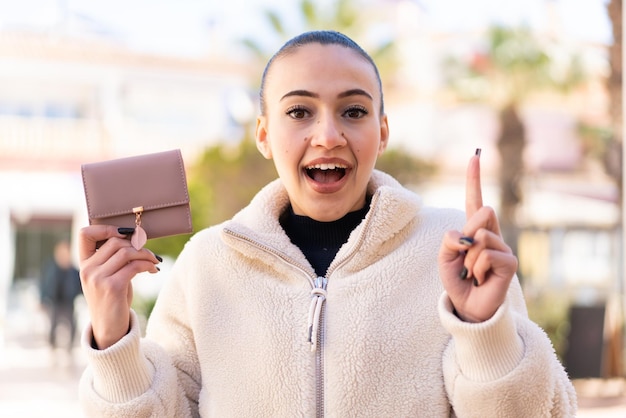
(27, 142)
(46, 139)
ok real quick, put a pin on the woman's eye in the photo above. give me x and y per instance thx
(355, 112)
(297, 112)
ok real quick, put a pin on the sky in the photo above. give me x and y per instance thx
(182, 27)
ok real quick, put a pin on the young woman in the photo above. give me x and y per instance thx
(335, 292)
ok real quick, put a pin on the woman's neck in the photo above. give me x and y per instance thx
(320, 241)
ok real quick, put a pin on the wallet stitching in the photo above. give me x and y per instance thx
(146, 209)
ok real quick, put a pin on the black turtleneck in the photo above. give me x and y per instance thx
(320, 241)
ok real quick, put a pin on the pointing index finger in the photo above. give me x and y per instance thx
(473, 190)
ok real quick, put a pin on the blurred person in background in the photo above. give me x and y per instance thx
(335, 292)
(59, 287)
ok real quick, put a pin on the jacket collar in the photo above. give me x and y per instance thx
(393, 209)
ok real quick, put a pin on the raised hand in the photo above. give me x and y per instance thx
(475, 264)
(106, 275)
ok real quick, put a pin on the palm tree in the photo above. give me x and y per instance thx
(604, 143)
(512, 65)
(613, 160)
(613, 165)
(342, 15)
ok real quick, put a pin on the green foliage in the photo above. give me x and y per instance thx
(512, 64)
(515, 48)
(550, 310)
(595, 139)
(275, 21)
(406, 168)
(346, 14)
(143, 306)
(231, 176)
(308, 11)
(255, 48)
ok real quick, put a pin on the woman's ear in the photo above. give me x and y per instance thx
(384, 134)
(262, 142)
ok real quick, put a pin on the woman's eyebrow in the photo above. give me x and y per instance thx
(304, 93)
(342, 95)
(355, 92)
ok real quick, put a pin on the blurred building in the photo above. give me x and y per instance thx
(67, 101)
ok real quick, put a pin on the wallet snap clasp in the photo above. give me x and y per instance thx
(139, 237)
(138, 211)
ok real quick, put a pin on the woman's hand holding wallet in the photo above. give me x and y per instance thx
(129, 200)
(106, 275)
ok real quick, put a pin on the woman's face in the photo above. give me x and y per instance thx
(323, 128)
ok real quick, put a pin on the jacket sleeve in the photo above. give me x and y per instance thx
(153, 376)
(505, 366)
(132, 378)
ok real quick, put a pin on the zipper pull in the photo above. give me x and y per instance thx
(318, 296)
(320, 282)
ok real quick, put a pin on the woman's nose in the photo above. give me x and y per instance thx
(328, 133)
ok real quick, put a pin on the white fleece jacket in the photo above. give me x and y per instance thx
(229, 334)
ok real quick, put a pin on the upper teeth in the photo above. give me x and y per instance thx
(326, 166)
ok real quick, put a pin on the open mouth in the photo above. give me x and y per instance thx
(326, 173)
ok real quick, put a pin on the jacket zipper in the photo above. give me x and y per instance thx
(318, 284)
(321, 334)
(315, 338)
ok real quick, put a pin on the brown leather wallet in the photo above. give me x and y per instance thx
(150, 188)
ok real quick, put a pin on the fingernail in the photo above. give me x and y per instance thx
(156, 267)
(463, 274)
(476, 283)
(469, 241)
(159, 258)
(478, 151)
(125, 231)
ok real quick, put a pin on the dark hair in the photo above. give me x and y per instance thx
(322, 37)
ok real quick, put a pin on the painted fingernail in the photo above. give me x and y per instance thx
(158, 257)
(156, 267)
(125, 231)
(469, 241)
(478, 151)
(463, 274)
(476, 283)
